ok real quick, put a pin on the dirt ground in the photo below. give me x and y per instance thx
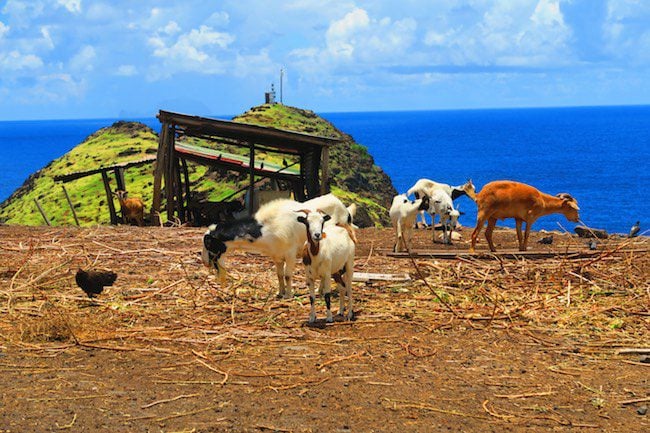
(467, 345)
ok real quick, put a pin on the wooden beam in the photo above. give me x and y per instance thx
(169, 174)
(109, 198)
(119, 178)
(67, 197)
(251, 180)
(158, 174)
(325, 171)
(188, 193)
(80, 174)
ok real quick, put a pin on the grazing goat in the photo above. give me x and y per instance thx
(440, 204)
(507, 199)
(403, 213)
(132, 208)
(273, 231)
(426, 187)
(329, 253)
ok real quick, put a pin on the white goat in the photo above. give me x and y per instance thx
(403, 213)
(273, 231)
(329, 253)
(425, 187)
(440, 204)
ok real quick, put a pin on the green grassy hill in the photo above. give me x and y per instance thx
(354, 175)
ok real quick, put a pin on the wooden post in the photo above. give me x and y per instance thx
(251, 173)
(186, 176)
(180, 206)
(40, 209)
(325, 170)
(74, 214)
(158, 174)
(119, 178)
(170, 179)
(109, 198)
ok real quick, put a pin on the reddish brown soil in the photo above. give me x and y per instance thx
(530, 345)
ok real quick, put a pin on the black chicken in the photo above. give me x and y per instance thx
(93, 282)
(548, 240)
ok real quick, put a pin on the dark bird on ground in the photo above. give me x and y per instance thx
(284, 162)
(547, 240)
(93, 282)
(634, 231)
(592, 244)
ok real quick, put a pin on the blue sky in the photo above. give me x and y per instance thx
(96, 59)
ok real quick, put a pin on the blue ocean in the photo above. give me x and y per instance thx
(599, 155)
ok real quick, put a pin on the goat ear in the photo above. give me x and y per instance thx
(572, 204)
(302, 219)
(326, 217)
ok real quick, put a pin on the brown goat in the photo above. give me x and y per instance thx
(132, 208)
(507, 199)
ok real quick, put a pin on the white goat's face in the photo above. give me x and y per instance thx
(454, 214)
(314, 222)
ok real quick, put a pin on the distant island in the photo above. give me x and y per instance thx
(354, 176)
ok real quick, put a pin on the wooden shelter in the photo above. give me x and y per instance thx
(312, 153)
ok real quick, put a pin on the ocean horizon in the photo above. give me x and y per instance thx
(597, 154)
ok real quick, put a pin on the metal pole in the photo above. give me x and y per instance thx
(281, 79)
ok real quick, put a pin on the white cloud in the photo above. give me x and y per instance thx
(199, 50)
(218, 19)
(126, 70)
(4, 29)
(171, 28)
(21, 13)
(16, 61)
(83, 59)
(54, 88)
(47, 37)
(547, 13)
(73, 6)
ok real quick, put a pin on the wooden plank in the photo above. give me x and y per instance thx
(369, 276)
(67, 197)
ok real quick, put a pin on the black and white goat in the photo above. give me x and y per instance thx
(273, 231)
(329, 253)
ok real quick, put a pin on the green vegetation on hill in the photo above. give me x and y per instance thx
(355, 178)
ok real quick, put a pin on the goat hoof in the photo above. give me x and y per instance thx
(312, 319)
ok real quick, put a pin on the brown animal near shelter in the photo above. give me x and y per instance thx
(132, 208)
(509, 199)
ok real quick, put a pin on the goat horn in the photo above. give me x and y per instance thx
(306, 211)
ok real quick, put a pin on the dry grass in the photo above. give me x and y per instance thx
(239, 336)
